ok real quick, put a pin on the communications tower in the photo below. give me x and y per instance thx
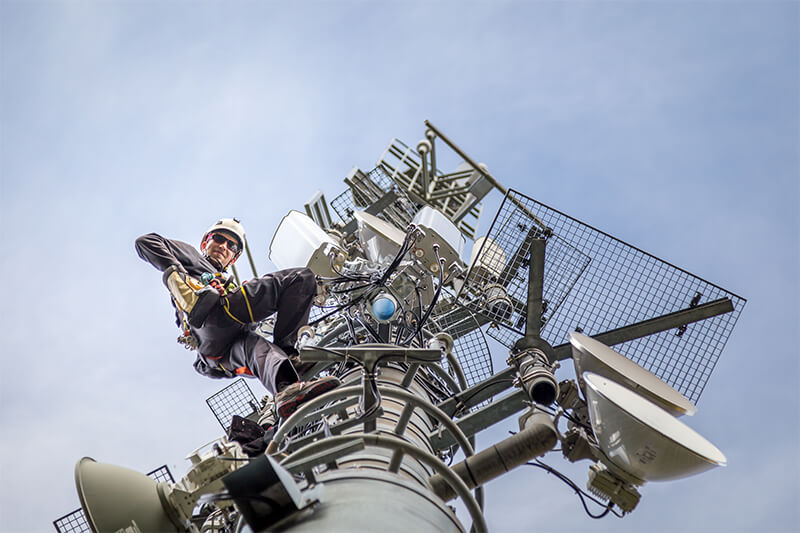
(409, 293)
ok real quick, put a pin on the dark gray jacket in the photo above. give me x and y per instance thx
(214, 337)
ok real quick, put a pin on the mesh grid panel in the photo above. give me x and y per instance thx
(74, 522)
(235, 399)
(469, 342)
(162, 473)
(594, 283)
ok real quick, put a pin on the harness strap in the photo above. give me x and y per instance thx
(227, 306)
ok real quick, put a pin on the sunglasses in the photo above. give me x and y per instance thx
(219, 238)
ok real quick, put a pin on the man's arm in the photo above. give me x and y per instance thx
(157, 251)
(163, 253)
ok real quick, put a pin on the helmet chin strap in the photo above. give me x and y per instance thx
(217, 263)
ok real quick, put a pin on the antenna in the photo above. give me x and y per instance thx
(75, 522)
(590, 355)
(643, 440)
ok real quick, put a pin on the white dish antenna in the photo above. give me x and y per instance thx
(642, 439)
(112, 496)
(381, 241)
(590, 355)
(299, 242)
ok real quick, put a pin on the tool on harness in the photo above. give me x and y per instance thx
(190, 296)
(218, 282)
(188, 340)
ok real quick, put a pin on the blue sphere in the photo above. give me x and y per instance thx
(383, 308)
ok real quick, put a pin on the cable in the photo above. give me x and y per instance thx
(404, 248)
(375, 335)
(338, 309)
(351, 330)
(608, 508)
(429, 310)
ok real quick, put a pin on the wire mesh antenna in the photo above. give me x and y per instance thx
(595, 283)
(75, 522)
(235, 399)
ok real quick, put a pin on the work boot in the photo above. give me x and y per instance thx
(190, 296)
(290, 398)
(266, 418)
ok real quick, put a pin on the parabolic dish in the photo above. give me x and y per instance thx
(641, 438)
(111, 496)
(590, 355)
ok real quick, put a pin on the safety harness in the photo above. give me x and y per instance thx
(224, 287)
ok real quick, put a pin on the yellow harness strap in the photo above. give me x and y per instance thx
(226, 305)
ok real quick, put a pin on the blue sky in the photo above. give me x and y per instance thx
(672, 125)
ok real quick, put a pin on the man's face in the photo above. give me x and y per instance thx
(220, 247)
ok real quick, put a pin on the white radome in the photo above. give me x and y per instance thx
(590, 355)
(642, 439)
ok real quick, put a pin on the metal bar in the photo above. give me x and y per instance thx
(236, 275)
(466, 158)
(394, 464)
(663, 323)
(510, 270)
(444, 194)
(402, 422)
(250, 258)
(479, 392)
(501, 381)
(483, 418)
(410, 373)
(447, 178)
(486, 174)
(425, 180)
(533, 318)
(304, 463)
(432, 139)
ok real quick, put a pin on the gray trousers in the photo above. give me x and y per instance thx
(229, 347)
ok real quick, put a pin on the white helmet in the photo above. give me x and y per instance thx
(228, 225)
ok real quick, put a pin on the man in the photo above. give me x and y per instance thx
(218, 317)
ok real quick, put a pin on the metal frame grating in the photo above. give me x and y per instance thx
(235, 399)
(616, 285)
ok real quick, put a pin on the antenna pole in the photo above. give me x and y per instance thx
(250, 258)
(533, 320)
